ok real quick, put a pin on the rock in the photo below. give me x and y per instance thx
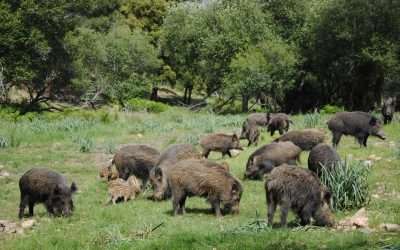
(358, 220)
(235, 152)
(28, 223)
(390, 227)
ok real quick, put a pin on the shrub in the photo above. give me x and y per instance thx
(85, 144)
(137, 104)
(312, 120)
(331, 109)
(348, 182)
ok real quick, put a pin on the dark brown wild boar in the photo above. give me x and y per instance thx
(41, 185)
(323, 155)
(205, 179)
(300, 190)
(159, 174)
(358, 124)
(265, 158)
(306, 139)
(220, 143)
(251, 132)
(280, 122)
(136, 160)
(109, 172)
(388, 109)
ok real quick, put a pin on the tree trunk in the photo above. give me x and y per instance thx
(245, 103)
(189, 100)
(185, 95)
(154, 94)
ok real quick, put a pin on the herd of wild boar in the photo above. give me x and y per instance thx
(181, 171)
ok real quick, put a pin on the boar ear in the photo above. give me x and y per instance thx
(158, 171)
(373, 121)
(74, 188)
(235, 137)
(235, 188)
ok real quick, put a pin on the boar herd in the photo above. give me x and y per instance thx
(181, 171)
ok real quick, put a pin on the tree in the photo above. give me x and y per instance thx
(120, 64)
(266, 68)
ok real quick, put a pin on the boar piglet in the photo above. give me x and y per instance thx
(204, 179)
(41, 185)
(300, 190)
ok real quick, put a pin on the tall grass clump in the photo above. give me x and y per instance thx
(348, 182)
(3, 142)
(312, 120)
(85, 144)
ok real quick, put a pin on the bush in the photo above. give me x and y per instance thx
(137, 104)
(331, 109)
(348, 182)
(312, 120)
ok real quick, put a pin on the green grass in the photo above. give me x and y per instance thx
(53, 143)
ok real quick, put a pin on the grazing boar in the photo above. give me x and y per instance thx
(300, 190)
(136, 160)
(264, 159)
(121, 189)
(388, 109)
(220, 143)
(358, 124)
(260, 119)
(41, 185)
(204, 179)
(159, 174)
(306, 139)
(251, 132)
(109, 172)
(279, 121)
(322, 155)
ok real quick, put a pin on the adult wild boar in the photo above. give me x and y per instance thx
(388, 109)
(204, 179)
(306, 139)
(323, 155)
(136, 160)
(221, 143)
(41, 185)
(260, 119)
(159, 174)
(264, 159)
(279, 121)
(358, 124)
(300, 190)
(250, 132)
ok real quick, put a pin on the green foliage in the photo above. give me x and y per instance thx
(119, 64)
(85, 143)
(312, 120)
(3, 142)
(136, 104)
(348, 182)
(331, 109)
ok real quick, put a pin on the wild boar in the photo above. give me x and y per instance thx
(251, 132)
(136, 160)
(300, 190)
(358, 124)
(388, 110)
(220, 143)
(264, 159)
(202, 178)
(126, 190)
(306, 139)
(109, 172)
(260, 119)
(159, 174)
(323, 155)
(41, 185)
(280, 122)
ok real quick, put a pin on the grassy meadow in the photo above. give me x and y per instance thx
(78, 143)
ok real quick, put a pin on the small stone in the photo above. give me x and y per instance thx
(28, 223)
(235, 152)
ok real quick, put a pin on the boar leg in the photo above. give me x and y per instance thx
(281, 131)
(178, 200)
(216, 206)
(305, 214)
(206, 152)
(284, 212)
(271, 208)
(227, 152)
(31, 205)
(365, 140)
(22, 205)
(336, 138)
